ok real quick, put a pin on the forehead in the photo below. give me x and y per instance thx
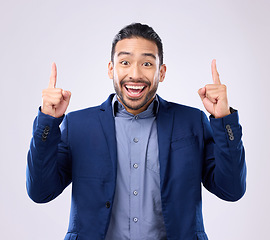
(136, 46)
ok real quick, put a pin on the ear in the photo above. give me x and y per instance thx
(110, 70)
(162, 72)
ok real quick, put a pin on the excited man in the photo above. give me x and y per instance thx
(136, 162)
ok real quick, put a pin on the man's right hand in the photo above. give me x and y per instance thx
(54, 100)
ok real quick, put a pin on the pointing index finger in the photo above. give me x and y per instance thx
(53, 76)
(215, 74)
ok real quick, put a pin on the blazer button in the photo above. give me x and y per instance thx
(108, 204)
(45, 133)
(228, 126)
(44, 137)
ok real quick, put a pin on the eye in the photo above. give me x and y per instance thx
(124, 62)
(147, 64)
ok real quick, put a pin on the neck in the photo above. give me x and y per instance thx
(136, 111)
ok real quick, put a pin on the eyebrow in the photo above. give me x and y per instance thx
(123, 53)
(149, 55)
(143, 54)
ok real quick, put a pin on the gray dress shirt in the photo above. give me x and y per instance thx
(136, 212)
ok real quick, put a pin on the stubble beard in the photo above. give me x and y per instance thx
(149, 95)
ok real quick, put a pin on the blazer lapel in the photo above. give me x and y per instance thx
(108, 126)
(164, 129)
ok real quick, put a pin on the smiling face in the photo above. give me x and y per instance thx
(136, 73)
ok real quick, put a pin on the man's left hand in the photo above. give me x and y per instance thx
(214, 96)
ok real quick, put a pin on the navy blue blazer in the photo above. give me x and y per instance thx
(191, 151)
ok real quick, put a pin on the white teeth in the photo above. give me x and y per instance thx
(134, 87)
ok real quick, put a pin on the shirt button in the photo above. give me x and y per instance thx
(135, 165)
(135, 140)
(135, 219)
(108, 204)
(136, 117)
(135, 193)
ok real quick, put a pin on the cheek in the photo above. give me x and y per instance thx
(119, 74)
(116, 76)
(117, 79)
(156, 76)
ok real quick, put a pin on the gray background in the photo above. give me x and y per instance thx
(77, 35)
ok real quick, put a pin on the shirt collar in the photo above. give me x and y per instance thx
(119, 109)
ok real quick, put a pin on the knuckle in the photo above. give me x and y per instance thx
(223, 87)
(59, 90)
(44, 91)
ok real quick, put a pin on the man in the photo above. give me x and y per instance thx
(136, 162)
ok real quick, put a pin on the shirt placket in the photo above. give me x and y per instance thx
(135, 171)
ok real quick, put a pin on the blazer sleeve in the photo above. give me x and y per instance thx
(48, 170)
(224, 168)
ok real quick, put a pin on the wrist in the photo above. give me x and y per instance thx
(230, 111)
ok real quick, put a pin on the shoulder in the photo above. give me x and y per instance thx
(183, 108)
(86, 114)
(184, 116)
(179, 109)
(92, 111)
(185, 120)
(187, 114)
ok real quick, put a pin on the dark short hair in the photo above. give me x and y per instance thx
(138, 30)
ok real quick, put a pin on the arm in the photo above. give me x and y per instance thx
(49, 162)
(224, 169)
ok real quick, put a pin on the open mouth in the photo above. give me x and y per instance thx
(135, 90)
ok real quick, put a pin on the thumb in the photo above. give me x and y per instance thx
(202, 92)
(66, 96)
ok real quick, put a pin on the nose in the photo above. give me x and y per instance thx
(135, 72)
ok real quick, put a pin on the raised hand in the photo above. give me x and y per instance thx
(54, 100)
(214, 96)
